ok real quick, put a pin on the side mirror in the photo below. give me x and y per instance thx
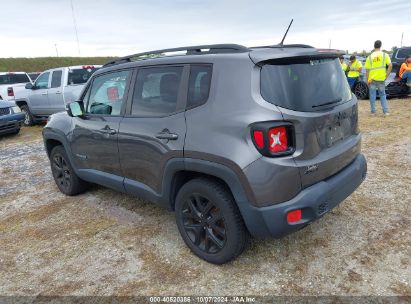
(75, 109)
(29, 86)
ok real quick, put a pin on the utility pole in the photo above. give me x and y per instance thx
(75, 26)
(402, 36)
(57, 52)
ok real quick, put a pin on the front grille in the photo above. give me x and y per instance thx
(4, 111)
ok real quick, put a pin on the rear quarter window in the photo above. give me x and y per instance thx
(199, 85)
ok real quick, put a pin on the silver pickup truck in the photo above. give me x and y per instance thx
(12, 83)
(52, 90)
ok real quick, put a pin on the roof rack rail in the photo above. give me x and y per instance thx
(190, 50)
(283, 46)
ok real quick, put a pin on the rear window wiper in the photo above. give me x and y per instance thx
(328, 103)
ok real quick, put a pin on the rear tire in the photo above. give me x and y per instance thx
(66, 179)
(28, 117)
(209, 221)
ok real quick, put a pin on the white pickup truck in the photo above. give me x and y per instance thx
(52, 91)
(12, 83)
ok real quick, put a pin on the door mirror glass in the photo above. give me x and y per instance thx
(75, 109)
(29, 86)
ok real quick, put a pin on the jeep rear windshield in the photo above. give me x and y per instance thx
(14, 78)
(80, 75)
(304, 83)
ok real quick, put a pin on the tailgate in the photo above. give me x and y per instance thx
(326, 142)
(312, 93)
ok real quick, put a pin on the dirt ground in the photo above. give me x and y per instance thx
(106, 243)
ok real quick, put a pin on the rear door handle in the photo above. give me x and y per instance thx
(58, 92)
(165, 134)
(45, 93)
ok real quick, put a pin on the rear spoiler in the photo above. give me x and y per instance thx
(259, 56)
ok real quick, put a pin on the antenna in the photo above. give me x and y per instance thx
(285, 35)
(75, 26)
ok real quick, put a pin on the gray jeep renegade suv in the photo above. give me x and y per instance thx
(237, 141)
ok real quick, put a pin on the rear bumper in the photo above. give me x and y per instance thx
(314, 201)
(11, 123)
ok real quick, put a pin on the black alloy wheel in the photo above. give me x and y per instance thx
(204, 223)
(361, 90)
(61, 172)
(209, 220)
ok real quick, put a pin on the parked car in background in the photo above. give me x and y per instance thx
(34, 75)
(12, 83)
(11, 117)
(398, 57)
(52, 90)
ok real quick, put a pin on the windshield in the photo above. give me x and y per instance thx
(80, 76)
(304, 84)
(13, 78)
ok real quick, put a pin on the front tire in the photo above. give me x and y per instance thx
(209, 221)
(66, 179)
(28, 117)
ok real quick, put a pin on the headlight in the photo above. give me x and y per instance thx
(16, 109)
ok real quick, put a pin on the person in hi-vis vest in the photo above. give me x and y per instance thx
(343, 64)
(354, 69)
(377, 71)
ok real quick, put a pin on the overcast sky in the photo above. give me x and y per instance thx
(120, 27)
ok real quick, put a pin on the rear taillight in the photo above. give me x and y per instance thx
(273, 138)
(258, 138)
(278, 140)
(88, 67)
(10, 91)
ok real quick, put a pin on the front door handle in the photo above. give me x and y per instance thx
(44, 93)
(58, 92)
(165, 134)
(109, 130)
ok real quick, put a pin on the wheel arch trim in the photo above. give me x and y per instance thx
(223, 172)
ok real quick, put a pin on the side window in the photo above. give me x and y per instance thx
(403, 53)
(42, 82)
(156, 91)
(56, 79)
(107, 93)
(199, 85)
